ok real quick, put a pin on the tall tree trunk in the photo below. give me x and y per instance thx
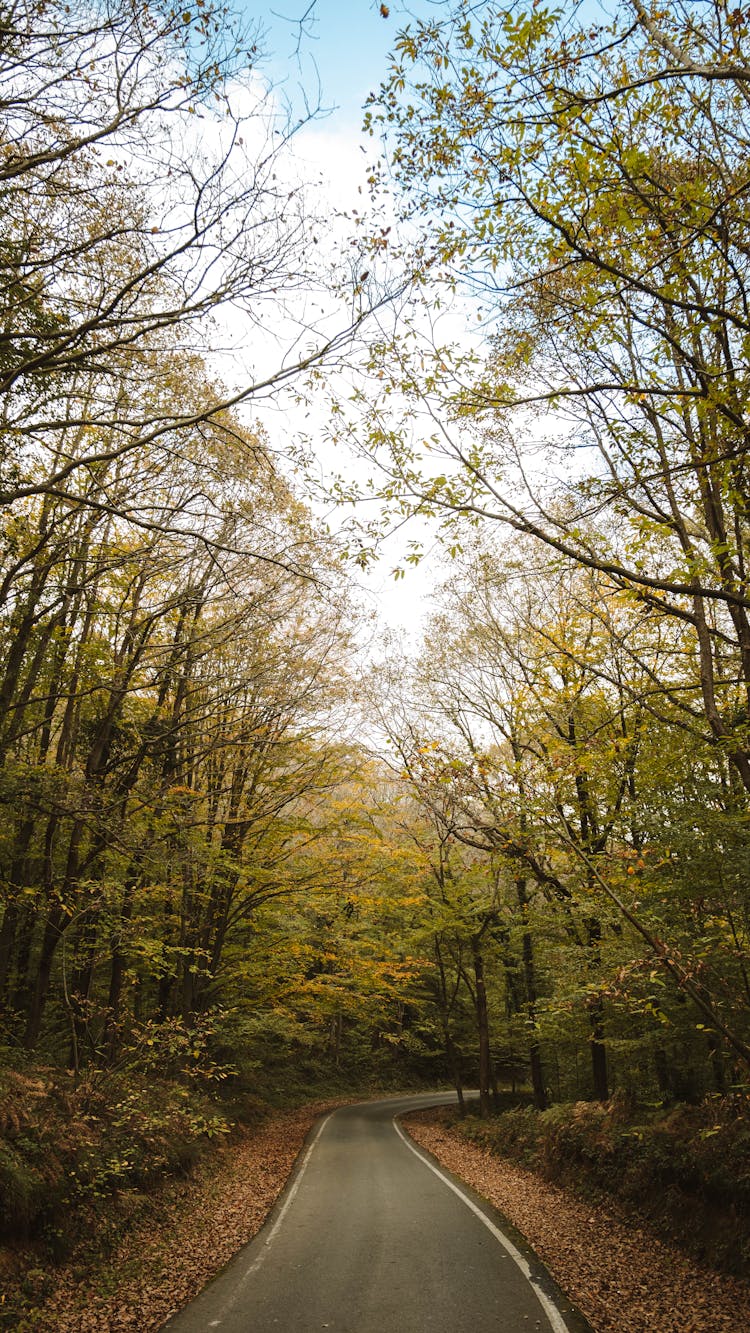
(444, 1007)
(55, 926)
(599, 1069)
(529, 976)
(22, 984)
(7, 941)
(13, 914)
(50, 941)
(595, 1008)
(117, 969)
(483, 1027)
(454, 1065)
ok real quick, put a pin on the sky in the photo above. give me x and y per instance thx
(337, 52)
(345, 45)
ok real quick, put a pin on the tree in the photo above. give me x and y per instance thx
(588, 184)
(464, 874)
(163, 688)
(544, 757)
(147, 207)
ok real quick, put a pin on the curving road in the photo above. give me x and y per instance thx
(371, 1236)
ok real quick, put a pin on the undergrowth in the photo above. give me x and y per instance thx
(685, 1170)
(65, 1149)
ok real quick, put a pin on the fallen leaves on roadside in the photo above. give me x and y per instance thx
(622, 1278)
(200, 1224)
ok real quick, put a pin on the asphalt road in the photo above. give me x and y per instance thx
(371, 1236)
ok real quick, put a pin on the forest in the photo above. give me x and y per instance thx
(253, 853)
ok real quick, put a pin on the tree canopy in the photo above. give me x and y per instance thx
(231, 831)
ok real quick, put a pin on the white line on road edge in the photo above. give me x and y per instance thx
(553, 1314)
(255, 1265)
(289, 1200)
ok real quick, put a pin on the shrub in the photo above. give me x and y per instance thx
(64, 1150)
(688, 1170)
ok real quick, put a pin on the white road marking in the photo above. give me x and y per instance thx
(553, 1314)
(289, 1200)
(255, 1265)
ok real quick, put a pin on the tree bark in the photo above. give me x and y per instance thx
(483, 1027)
(529, 976)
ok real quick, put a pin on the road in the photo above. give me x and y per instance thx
(371, 1236)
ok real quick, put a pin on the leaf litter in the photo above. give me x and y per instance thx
(622, 1277)
(184, 1236)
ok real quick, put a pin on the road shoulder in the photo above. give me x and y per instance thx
(622, 1279)
(178, 1239)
